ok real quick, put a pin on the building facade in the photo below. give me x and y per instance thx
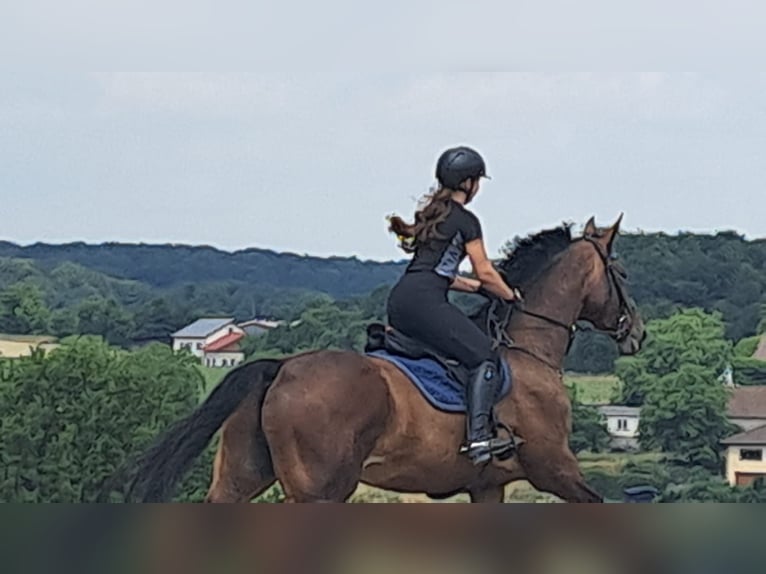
(215, 341)
(745, 459)
(622, 424)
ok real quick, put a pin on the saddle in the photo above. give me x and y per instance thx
(383, 338)
(492, 319)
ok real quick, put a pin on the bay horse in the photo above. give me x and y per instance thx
(324, 421)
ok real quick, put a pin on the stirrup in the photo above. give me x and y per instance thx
(480, 451)
(513, 442)
(501, 448)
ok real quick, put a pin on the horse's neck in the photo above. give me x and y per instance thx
(558, 296)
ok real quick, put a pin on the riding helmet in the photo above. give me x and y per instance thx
(458, 164)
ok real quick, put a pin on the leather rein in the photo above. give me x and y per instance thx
(498, 328)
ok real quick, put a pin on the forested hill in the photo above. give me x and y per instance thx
(721, 272)
(716, 272)
(174, 265)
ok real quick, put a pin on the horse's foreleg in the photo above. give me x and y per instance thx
(557, 473)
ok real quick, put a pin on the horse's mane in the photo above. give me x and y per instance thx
(526, 259)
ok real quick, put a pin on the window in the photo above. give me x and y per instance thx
(199, 345)
(751, 454)
(622, 424)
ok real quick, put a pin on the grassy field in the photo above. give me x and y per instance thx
(14, 346)
(518, 492)
(593, 389)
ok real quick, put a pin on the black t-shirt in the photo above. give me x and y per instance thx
(444, 256)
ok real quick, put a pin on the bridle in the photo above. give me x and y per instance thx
(616, 280)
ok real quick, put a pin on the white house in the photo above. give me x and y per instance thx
(622, 424)
(214, 340)
(745, 459)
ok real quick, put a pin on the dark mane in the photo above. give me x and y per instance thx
(527, 258)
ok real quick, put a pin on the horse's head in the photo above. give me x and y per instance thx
(607, 305)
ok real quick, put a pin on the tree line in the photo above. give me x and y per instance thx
(135, 293)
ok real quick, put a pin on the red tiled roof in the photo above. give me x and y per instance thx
(748, 403)
(223, 342)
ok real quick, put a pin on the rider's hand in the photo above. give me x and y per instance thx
(517, 297)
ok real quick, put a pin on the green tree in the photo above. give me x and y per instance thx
(23, 310)
(685, 414)
(105, 318)
(69, 419)
(690, 337)
(588, 426)
(676, 379)
(64, 322)
(713, 489)
(591, 353)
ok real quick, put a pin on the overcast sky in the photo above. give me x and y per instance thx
(313, 163)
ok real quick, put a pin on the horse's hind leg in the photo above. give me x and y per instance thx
(322, 417)
(243, 468)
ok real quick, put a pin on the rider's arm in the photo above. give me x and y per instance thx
(486, 272)
(465, 284)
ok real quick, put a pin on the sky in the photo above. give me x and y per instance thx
(312, 163)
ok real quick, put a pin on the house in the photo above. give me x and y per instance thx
(745, 459)
(747, 407)
(214, 340)
(745, 451)
(622, 424)
(224, 351)
(259, 326)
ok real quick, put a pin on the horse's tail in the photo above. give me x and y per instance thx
(165, 463)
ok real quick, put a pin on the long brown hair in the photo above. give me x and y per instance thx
(435, 208)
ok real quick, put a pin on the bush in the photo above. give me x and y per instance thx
(746, 347)
(69, 419)
(749, 371)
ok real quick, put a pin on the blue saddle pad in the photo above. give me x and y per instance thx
(435, 382)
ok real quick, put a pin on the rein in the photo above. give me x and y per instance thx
(497, 325)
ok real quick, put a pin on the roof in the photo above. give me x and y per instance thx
(619, 411)
(201, 328)
(747, 403)
(265, 323)
(223, 342)
(756, 436)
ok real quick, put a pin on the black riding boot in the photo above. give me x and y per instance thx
(481, 443)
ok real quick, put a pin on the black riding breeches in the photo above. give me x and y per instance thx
(418, 307)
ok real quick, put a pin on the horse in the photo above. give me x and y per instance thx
(324, 421)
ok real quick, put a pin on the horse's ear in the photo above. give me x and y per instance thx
(612, 233)
(590, 228)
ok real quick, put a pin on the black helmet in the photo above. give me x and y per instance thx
(458, 164)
